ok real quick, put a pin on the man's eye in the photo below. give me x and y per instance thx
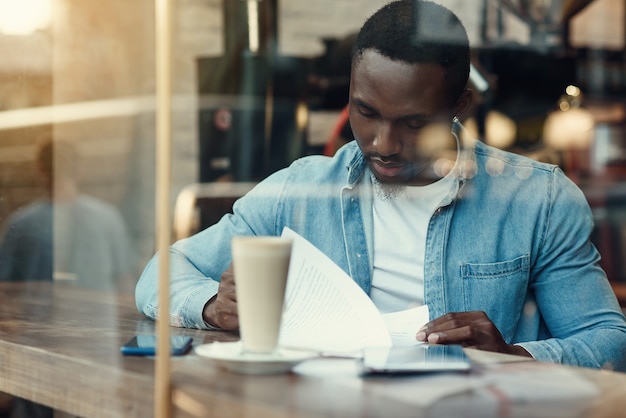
(415, 124)
(366, 112)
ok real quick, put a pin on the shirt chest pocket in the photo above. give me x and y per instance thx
(499, 289)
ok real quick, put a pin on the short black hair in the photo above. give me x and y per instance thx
(419, 31)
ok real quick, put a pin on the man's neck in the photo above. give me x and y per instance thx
(64, 190)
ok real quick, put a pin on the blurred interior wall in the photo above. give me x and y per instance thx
(103, 52)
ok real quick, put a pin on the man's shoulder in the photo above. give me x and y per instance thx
(522, 176)
(316, 168)
(95, 211)
(91, 203)
(494, 164)
(488, 152)
(32, 214)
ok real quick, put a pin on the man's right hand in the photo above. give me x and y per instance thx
(221, 310)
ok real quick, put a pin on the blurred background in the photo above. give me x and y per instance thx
(259, 83)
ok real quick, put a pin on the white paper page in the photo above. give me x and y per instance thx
(325, 309)
(403, 325)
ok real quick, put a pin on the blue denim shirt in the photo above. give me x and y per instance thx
(512, 240)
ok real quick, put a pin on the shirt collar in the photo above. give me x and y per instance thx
(466, 167)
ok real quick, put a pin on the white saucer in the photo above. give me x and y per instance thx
(232, 357)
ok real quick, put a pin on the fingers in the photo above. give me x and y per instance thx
(221, 310)
(443, 324)
(473, 329)
(226, 290)
(227, 280)
(463, 336)
(227, 319)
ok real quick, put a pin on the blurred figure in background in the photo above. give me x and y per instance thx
(67, 235)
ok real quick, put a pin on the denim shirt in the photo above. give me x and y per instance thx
(512, 240)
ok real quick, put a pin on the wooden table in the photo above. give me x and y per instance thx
(59, 346)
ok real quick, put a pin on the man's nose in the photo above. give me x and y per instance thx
(385, 141)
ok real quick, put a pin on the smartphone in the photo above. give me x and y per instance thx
(145, 345)
(416, 358)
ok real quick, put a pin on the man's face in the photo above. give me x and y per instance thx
(401, 116)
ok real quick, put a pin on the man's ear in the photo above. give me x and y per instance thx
(463, 103)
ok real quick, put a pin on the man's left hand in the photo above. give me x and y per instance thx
(469, 329)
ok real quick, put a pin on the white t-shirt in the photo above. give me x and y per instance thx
(401, 218)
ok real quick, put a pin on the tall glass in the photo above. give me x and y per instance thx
(261, 265)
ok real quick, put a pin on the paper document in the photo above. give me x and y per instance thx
(327, 311)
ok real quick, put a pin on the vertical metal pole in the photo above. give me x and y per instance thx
(484, 22)
(162, 392)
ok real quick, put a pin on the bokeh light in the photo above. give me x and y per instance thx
(24, 17)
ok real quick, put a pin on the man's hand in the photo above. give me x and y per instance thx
(221, 310)
(469, 329)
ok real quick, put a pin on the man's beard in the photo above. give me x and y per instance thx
(387, 191)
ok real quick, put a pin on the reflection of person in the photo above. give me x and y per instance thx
(497, 245)
(68, 235)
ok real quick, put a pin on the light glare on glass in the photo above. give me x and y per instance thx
(24, 17)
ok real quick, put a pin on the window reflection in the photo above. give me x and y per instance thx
(82, 73)
(66, 235)
(84, 83)
(85, 74)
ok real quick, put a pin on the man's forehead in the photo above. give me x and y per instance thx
(373, 57)
(376, 68)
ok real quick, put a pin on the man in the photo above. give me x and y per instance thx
(66, 235)
(497, 245)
